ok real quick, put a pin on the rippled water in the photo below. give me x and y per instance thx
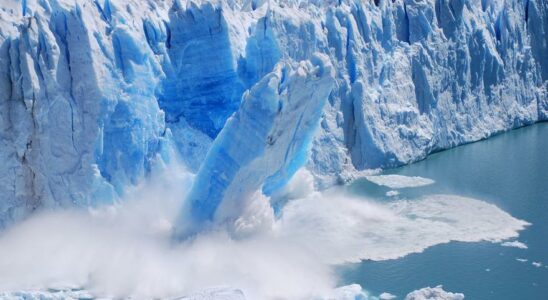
(510, 171)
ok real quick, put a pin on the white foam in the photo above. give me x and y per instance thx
(537, 264)
(521, 259)
(515, 244)
(220, 293)
(399, 181)
(344, 229)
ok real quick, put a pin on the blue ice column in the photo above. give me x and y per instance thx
(262, 144)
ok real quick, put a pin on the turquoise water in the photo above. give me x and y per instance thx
(509, 170)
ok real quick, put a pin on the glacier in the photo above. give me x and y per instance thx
(97, 95)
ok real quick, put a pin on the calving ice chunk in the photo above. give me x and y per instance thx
(261, 146)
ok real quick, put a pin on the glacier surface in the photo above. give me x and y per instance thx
(96, 95)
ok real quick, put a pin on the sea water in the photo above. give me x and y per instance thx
(509, 170)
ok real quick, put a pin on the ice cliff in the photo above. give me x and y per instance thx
(95, 95)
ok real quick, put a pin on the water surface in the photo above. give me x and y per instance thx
(508, 170)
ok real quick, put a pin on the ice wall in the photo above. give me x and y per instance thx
(419, 76)
(94, 94)
(79, 115)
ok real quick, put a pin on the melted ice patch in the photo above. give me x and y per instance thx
(399, 181)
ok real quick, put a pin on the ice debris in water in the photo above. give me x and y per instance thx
(399, 181)
(515, 244)
(436, 293)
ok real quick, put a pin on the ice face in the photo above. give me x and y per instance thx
(96, 95)
(80, 119)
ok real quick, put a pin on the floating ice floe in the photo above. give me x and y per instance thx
(515, 244)
(399, 181)
(387, 296)
(436, 293)
(392, 193)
